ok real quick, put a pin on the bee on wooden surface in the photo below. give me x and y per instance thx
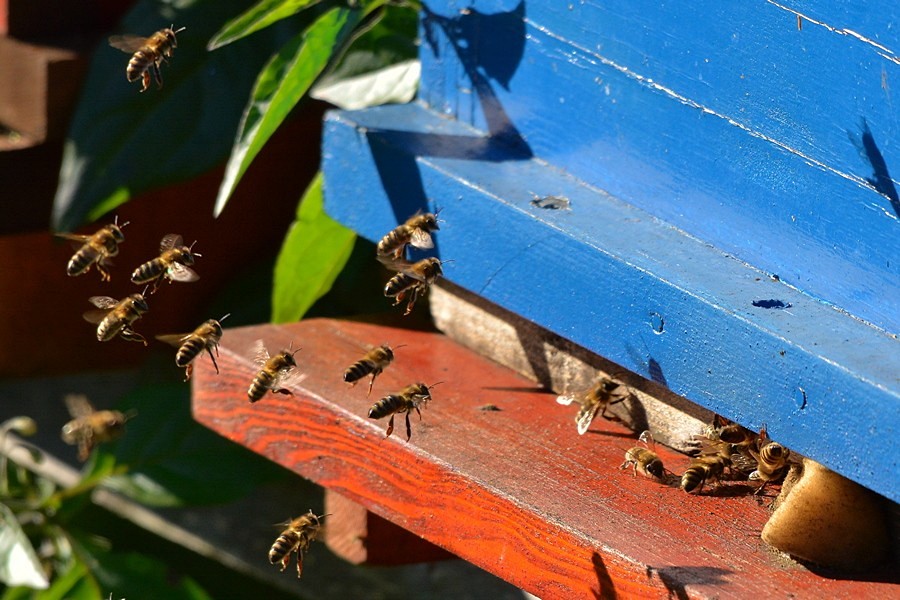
(172, 263)
(645, 459)
(374, 362)
(412, 279)
(405, 401)
(703, 470)
(147, 54)
(295, 538)
(90, 427)
(116, 317)
(205, 337)
(730, 441)
(416, 231)
(95, 249)
(604, 394)
(772, 460)
(274, 372)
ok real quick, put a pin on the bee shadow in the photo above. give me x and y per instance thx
(676, 579)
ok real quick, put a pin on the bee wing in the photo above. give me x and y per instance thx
(565, 400)
(173, 339)
(169, 241)
(127, 43)
(586, 417)
(287, 378)
(394, 264)
(78, 405)
(179, 272)
(73, 237)
(104, 302)
(421, 239)
(260, 353)
(743, 463)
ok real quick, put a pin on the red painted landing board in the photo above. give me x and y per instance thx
(516, 491)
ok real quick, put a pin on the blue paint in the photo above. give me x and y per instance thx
(732, 228)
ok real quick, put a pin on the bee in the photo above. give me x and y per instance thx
(205, 337)
(116, 317)
(771, 460)
(295, 538)
(413, 279)
(172, 263)
(645, 459)
(406, 400)
(416, 231)
(703, 470)
(274, 372)
(95, 249)
(148, 54)
(90, 427)
(374, 362)
(604, 394)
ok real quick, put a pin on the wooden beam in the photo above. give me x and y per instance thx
(515, 491)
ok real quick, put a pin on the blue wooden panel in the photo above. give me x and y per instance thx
(773, 143)
(624, 283)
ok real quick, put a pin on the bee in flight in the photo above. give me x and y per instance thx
(275, 372)
(645, 459)
(172, 263)
(406, 400)
(412, 279)
(116, 317)
(703, 470)
(205, 337)
(95, 249)
(771, 460)
(416, 231)
(373, 363)
(295, 538)
(604, 394)
(147, 54)
(90, 427)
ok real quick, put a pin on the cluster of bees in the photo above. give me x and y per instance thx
(726, 451)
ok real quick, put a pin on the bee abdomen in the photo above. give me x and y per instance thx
(108, 329)
(398, 283)
(260, 385)
(359, 370)
(692, 478)
(81, 261)
(148, 271)
(393, 241)
(188, 351)
(282, 547)
(385, 406)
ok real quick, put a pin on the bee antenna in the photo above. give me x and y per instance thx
(116, 222)
(176, 31)
(130, 414)
(398, 346)
(290, 348)
(444, 262)
(434, 384)
(225, 317)
(146, 287)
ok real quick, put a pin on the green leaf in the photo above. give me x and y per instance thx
(314, 252)
(394, 84)
(283, 82)
(122, 142)
(19, 564)
(257, 17)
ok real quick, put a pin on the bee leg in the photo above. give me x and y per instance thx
(760, 488)
(285, 561)
(214, 358)
(408, 427)
(371, 383)
(284, 391)
(188, 370)
(145, 81)
(299, 563)
(413, 296)
(104, 274)
(157, 75)
(390, 428)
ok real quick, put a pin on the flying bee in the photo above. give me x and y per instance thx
(771, 460)
(703, 470)
(374, 362)
(645, 459)
(116, 317)
(406, 400)
(147, 54)
(95, 249)
(172, 263)
(604, 394)
(416, 231)
(412, 279)
(90, 427)
(274, 372)
(205, 337)
(295, 538)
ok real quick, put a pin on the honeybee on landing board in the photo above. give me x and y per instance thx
(295, 538)
(274, 372)
(412, 279)
(405, 401)
(604, 394)
(374, 362)
(416, 231)
(205, 337)
(172, 263)
(90, 427)
(147, 54)
(645, 459)
(703, 470)
(95, 249)
(730, 441)
(116, 317)
(771, 460)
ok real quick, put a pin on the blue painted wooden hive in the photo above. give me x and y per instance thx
(700, 192)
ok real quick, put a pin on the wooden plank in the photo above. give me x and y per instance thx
(619, 282)
(774, 144)
(515, 491)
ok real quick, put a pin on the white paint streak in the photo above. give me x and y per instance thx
(884, 51)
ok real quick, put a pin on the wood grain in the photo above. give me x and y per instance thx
(515, 491)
